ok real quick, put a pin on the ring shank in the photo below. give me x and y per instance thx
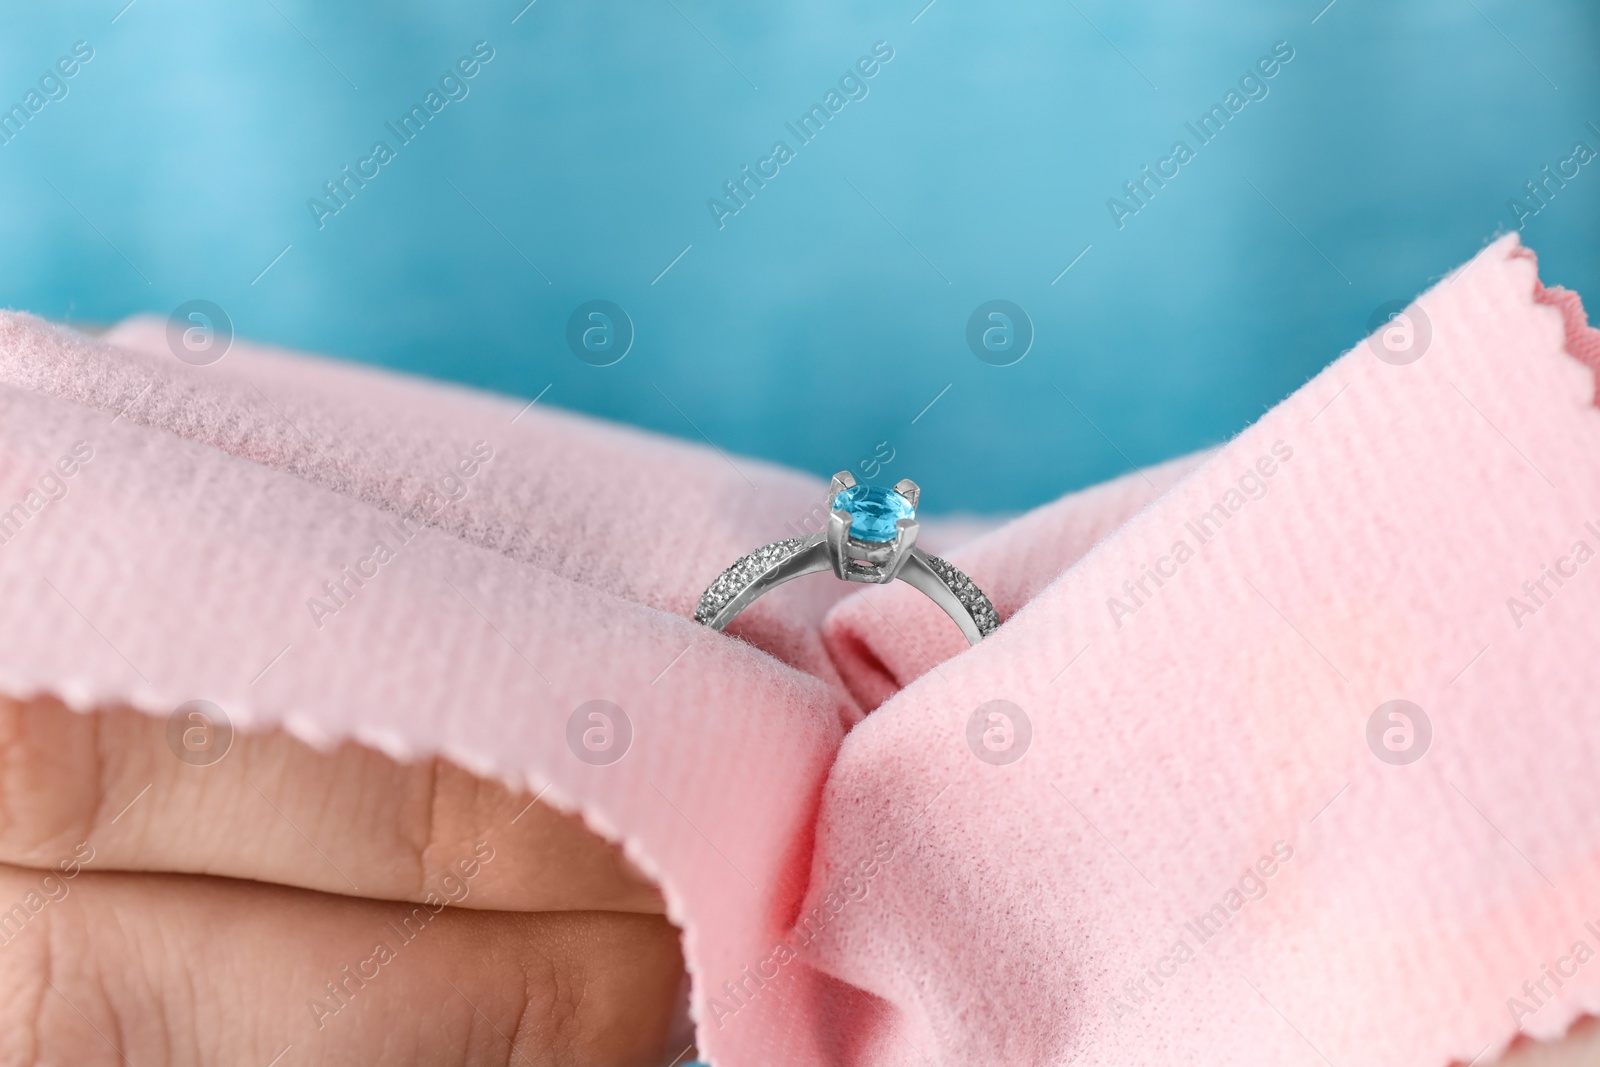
(808, 560)
(917, 574)
(773, 565)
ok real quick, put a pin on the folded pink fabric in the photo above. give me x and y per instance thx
(1195, 833)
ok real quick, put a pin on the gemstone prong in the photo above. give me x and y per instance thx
(841, 481)
(905, 539)
(909, 489)
(838, 542)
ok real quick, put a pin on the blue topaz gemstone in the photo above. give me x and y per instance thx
(873, 512)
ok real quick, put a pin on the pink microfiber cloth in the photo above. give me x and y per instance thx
(1282, 755)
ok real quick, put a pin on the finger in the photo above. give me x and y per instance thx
(175, 969)
(1579, 1048)
(274, 809)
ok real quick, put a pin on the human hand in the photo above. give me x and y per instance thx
(317, 907)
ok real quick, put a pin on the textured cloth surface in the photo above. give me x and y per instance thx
(1199, 856)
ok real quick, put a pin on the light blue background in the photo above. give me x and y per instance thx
(809, 329)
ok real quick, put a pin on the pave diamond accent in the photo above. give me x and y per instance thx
(971, 597)
(745, 570)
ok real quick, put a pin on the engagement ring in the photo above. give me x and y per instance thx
(871, 537)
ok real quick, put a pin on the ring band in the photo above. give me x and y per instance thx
(871, 538)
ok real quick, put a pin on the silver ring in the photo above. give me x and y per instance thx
(871, 538)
